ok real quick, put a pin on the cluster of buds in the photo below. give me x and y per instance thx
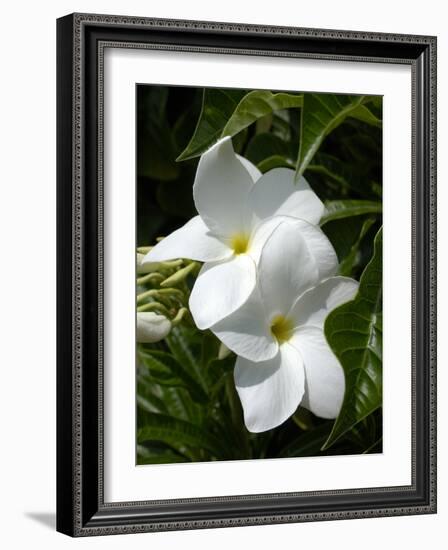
(162, 296)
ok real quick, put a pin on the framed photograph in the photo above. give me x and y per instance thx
(246, 274)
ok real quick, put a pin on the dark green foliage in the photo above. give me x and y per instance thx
(355, 332)
(187, 405)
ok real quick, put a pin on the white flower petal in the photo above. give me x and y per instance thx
(221, 288)
(286, 268)
(313, 306)
(321, 249)
(143, 268)
(276, 193)
(251, 168)
(151, 327)
(221, 189)
(246, 331)
(324, 376)
(193, 241)
(261, 234)
(270, 391)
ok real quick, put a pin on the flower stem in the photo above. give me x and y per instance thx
(154, 306)
(171, 263)
(302, 418)
(169, 291)
(156, 292)
(149, 277)
(146, 294)
(179, 276)
(179, 316)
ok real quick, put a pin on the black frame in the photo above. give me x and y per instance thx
(81, 39)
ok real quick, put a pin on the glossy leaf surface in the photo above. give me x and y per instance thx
(354, 332)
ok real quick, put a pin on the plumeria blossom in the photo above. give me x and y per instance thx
(151, 327)
(283, 357)
(238, 209)
(147, 267)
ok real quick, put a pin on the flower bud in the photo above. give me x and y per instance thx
(179, 276)
(151, 327)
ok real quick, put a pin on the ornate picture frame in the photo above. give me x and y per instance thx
(81, 506)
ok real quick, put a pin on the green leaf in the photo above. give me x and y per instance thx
(265, 145)
(182, 345)
(164, 369)
(256, 105)
(218, 106)
(365, 115)
(276, 161)
(376, 447)
(149, 402)
(343, 235)
(321, 114)
(156, 148)
(178, 402)
(336, 210)
(158, 454)
(354, 332)
(187, 119)
(228, 112)
(349, 262)
(218, 369)
(303, 418)
(176, 433)
(153, 397)
(209, 348)
(350, 176)
(309, 443)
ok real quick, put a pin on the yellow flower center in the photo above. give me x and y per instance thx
(281, 328)
(239, 243)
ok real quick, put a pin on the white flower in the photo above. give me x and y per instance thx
(147, 267)
(228, 233)
(151, 327)
(283, 357)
